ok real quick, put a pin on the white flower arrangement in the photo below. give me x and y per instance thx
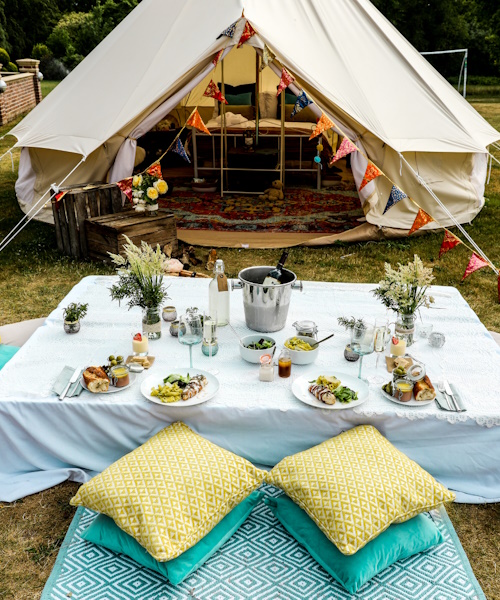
(404, 290)
(146, 189)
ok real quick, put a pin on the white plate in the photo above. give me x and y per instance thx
(300, 389)
(112, 389)
(206, 393)
(411, 402)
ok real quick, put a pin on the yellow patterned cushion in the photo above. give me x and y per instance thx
(171, 491)
(355, 485)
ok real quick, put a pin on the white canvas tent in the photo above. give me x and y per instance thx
(349, 59)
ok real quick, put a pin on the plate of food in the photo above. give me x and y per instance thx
(97, 381)
(180, 387)
(419, 394)
(337, 391)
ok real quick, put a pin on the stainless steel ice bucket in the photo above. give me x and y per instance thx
(266, 308)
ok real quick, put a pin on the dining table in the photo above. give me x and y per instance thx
(45, 441)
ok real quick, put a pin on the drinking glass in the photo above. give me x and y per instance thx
(382, 336)
(190, 331)
(362, 342)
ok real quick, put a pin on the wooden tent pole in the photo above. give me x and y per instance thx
(222, 123)
(257, 96)
(282, 138)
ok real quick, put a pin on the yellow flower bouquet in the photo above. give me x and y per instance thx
(146, 189)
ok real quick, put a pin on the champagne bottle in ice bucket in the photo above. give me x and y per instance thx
(218, 295)
(274, 277)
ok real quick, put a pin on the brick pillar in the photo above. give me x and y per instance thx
(2, 117)
(30, 65)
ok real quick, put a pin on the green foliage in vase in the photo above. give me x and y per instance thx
(140, 276)
(75, 311)
(350, 323)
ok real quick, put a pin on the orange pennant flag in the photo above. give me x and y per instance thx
(449, 242)
(322, 125)
(421, 219)
(196, 121)
(155, 170)
(476, 262)
(371, 173)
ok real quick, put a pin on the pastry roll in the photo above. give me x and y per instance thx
(424, 390)
(323, 393)
(96, 380)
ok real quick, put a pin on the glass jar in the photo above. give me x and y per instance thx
(151, 210)
(174, 328)
(402, 389)
(306, 328)
(405, 327)
(120, 375)
(285, 363)
(210, 348)
(71, 326)
(266, 370)
(169, 314)
(437, 339)
(151, 322)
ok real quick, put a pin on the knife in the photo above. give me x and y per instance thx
(450, 394)
(74, 377)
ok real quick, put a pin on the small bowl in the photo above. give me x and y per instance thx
(253, 356)
(303, 357)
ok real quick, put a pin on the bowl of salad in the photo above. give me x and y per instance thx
(252, 347)
(303, 349)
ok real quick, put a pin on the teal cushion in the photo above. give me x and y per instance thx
(352, 572)
(290, 98)
(244, 99)
(104, 532)
(6, 353)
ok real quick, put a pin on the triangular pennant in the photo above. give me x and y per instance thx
(285, 81)
(196, 121)
(421, 219)
(323, 124)
(449, 242)
(229, 32)
(58, 197)
(371, 173)
(395, 196)
(476, 262)
(180, 150)
(125, 186)
(248, 32)
(267, 57)
(301, 102)
(213, 91)
(345, 148)
(155, 170)
(217, 57)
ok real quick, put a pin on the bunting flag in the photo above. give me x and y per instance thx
(248, 32)
(449, 242)
(322, 125)
(218, 56)
(476, 262)
(301, 102)
(345, 148)
(125, 186)
(155, 170)
(229, 32)
(213, 91)
(267, 57)
(285, 81)
(180, 150)
(421, 219)
(371, 173)
(196, 121)
(58, 197)
(395, 196)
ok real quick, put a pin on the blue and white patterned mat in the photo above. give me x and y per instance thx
(260, 562)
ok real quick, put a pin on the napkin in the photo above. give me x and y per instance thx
(62, 381)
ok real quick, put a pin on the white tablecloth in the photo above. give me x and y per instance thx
(44, 441)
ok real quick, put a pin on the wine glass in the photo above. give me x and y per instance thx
(362, 342)
(382, 335)
(190, 331)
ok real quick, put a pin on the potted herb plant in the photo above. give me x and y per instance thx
(349, 325)
(72, 315)
(140, 282)
(404, 290)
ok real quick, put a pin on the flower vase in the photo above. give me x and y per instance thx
(151, 323)
(71, 326)
(151, 210)
(405, 327)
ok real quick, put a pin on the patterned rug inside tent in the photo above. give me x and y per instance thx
(260, 562)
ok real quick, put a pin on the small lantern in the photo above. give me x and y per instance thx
(249, 139)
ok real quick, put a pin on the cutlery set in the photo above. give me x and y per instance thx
(452, 404)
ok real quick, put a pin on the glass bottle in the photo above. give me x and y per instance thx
(275, 275)
(266, 370)
(285, 363)
(218, 295)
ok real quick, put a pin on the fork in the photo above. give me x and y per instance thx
(445, 395)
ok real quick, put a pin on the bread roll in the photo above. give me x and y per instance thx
(96, 380)
(424, 390)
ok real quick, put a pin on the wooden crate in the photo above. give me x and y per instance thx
(107, 233)
(79, 203)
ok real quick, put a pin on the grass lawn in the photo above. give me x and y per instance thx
(34, 278)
